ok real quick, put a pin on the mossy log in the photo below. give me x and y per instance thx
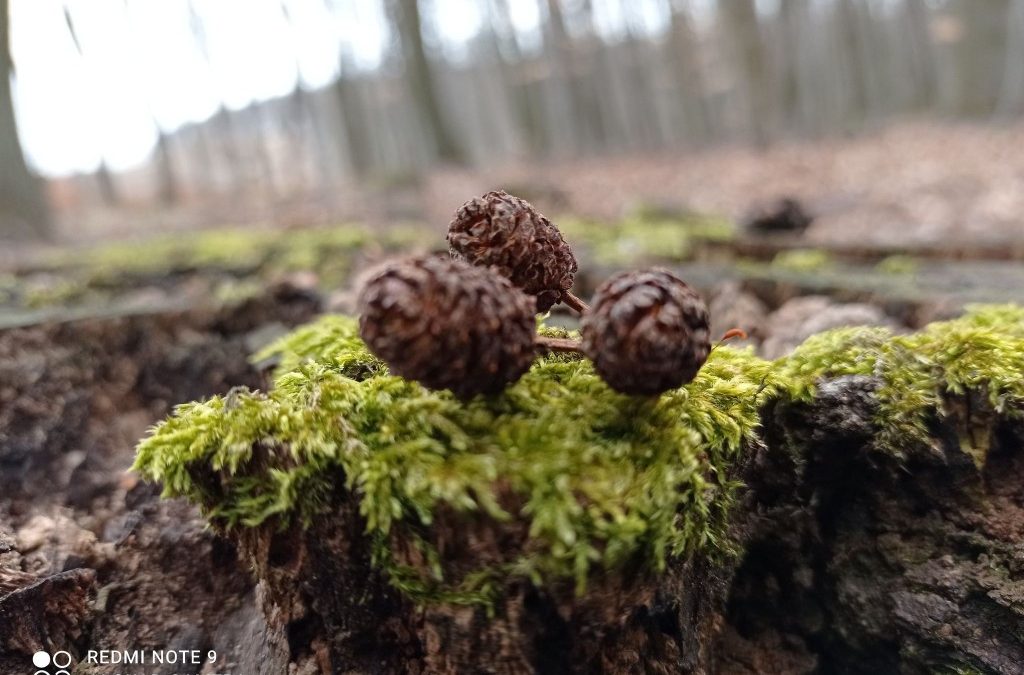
(857, 506)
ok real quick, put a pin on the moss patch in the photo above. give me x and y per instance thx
(898, 265)
(980, 355)
(228, 264)
(598, 480)
(644, 237)
(803, 260)
(558, 478)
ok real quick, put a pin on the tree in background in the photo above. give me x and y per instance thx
(24, 213)
(695, 117)
(408, 28)
(588, 79)
(981, 54)
(743, 31)
(108, 187)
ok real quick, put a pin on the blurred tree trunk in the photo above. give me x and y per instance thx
(167, 182)
(24, 213)
(108, 187)
(355, 135)
(744, 33)
(588, 76)
(689, 75)
(1011, 96)
(352, 129)
(790, 92)
(925, 79)
(639, 98)
(853, 65)
(529, 134)
(980, 55)
(561, 101)
(405, 18)
(497, 115)
(104, 178)
(306, 151)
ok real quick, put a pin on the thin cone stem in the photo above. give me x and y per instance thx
(573, 302)
(553, 344)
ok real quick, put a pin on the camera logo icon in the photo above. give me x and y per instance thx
(42, 661)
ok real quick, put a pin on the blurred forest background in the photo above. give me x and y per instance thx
(407, 88)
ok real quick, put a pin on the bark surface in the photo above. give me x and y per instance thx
(854, 557)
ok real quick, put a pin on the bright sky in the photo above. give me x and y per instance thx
(143, 68)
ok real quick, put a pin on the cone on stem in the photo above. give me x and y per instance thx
(448, 325)
(647, 332)
(511, 237)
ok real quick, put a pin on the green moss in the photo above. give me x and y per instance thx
(922, 374)
(333, 341)
(233, 263)
(898, 265)
(36, 294)
(574, 479)
(600, 480)
(325, 250)
(803, 260)
(643, 237)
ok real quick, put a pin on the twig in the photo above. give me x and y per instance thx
(553, 344)
(572, 302)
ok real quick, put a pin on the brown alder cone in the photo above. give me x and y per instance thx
(509, 235)
(448, 325)
(647, 332)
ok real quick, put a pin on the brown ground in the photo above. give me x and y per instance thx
(913, 182)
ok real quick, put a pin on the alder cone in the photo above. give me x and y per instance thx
(647, 332)
(510, 236)
(448, 325)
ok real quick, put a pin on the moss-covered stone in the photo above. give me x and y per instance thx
(558, 478)
(976, 360)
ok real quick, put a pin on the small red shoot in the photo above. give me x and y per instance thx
(729, 335)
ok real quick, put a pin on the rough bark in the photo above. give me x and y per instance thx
(94, 559)
(863, 561)
(320, 590)
(855, 560)
(854, 557)
(47, 611)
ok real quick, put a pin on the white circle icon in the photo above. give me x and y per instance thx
(40, 659)
(57, 658)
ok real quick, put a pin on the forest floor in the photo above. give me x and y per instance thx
(911, 182)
